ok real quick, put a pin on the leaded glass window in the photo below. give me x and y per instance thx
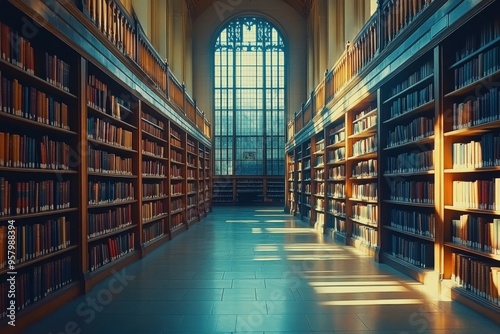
(249, 94)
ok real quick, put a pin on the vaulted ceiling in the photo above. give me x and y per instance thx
(196, 7)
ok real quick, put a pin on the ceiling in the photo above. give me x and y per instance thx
(196, 7)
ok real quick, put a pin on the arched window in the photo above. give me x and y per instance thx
(249, 91)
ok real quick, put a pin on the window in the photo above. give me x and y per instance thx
(249, 92)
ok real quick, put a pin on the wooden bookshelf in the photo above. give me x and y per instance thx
(84, 158)
(335, 176)
(470, 172)
(361, 172)
(153, 178)
(407, 137)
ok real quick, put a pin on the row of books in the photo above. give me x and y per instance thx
(336, 224)
(480, 233)
(35, 240)
(19, 198)
(478, 194)
(191, 187)
(175, 142)
(176, 204)
(97, 93)
(364, 191)
(336, 190)
(366, 213)
(336, 173)
(320, 204)
(320, 217)
(112, 249)
(191, 174)
(151, 210)
(176, 171)
(191, 200)
(365, 123)
(57, 71)
(176, 188)
(307, 188)
(336, 207)
(37, 283)
(319, 175)
(410, 162)
(152, 232)
(419, 128)
(476, 275)
(153, 190)
(417, 253)
(411, 101)
(368, 235)
(320, 189)
(108, 163)
(420, 223)
(178, 220)
(484, 64)
(320, 146)
(366, 168)
(16, 49)
(176, 156)
(365, 146)
(486, 32)
(477, 154)
(30, 103)
(336, 134)
(153, 148)
(480, 110)
(22, 151)
(104, 192)
(319, 161)
(153, 168)
(103, 131)
(424, 71)
(152, 129)
(191, 160)
(108, 221)
(421, 192)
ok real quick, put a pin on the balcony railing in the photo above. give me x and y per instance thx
(126, 34)
(386, 24)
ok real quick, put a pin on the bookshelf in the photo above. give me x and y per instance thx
(94, 174)
(408, 207)
(153, 178)
(111, 209)
(178, 171)
(471, 173)
(361, 168)
(335, 151)
(291, 183)
(39, 176)
(318, 181)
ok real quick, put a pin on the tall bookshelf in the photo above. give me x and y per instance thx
(154, 177)
(407, 138)
(362, 176)
(93, 175)
(178, 171)
(335, 155)
(470, 68)
(318, 181)
(291, 183)
(40, 174)
(110, 211)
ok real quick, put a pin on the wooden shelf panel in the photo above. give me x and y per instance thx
(411, 234)
(412, 113)
(410, 88)
(418, 142)
(470, 250)
(112, 233)
(27, 122)
(106, 117)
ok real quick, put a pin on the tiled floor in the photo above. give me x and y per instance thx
(259, 271)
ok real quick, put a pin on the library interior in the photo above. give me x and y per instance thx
(257, 166)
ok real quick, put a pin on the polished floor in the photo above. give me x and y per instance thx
(258, 270)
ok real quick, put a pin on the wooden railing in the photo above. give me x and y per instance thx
(125, 32)
(386, 24)
(398, 14)
(150, 61)
(114, 22)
